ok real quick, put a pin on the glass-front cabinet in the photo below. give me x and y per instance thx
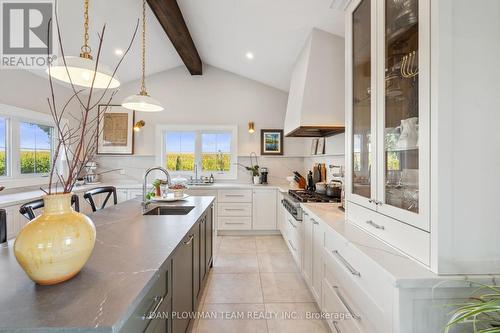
(362, 158)
(388, 86)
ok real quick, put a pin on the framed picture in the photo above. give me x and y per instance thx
(271, 142)
(314, 146)
(320, 149)
(116, 134)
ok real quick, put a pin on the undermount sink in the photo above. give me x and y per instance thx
(199, 184)
(169, 210)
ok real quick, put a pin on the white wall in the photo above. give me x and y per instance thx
(28, 91)
(218, 98)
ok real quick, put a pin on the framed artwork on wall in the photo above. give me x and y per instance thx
(320, 149)
(314, 146)
(271, 142)
(116, 134)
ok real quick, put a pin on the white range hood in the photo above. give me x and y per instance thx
(316, 98)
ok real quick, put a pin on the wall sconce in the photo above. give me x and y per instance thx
(251, 127)
(138, 125)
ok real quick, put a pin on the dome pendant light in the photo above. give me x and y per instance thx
(81, 69)
(142, 101)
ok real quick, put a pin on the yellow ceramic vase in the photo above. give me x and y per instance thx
(55, 246)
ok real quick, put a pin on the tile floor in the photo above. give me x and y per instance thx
(255, 287)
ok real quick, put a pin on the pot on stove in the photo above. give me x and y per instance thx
(334, 189)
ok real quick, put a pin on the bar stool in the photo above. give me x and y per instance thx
(110, 190)
(28, 209)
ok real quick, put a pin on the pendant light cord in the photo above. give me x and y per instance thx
(86, 48)
(143, 82)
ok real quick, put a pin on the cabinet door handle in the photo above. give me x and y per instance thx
(336, 326)
(371, 201)
(375, 225)
(189, 240)
(293, 247)
(346, 263)
(315, 222)
(347, 306)
(293, 225)
(150, 314)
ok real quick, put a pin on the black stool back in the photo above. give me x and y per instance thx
(3, 226)
(28, 209)
(110, 190)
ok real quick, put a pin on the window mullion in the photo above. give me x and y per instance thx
(197, 152)
(15, 149)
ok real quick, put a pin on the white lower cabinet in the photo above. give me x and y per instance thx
(247, 210)
(307, 260)
(318, 238)
(264, 209)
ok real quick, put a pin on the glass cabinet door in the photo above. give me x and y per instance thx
(401, 99)
(362, 96)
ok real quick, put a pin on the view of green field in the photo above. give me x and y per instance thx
(31, 162)
(209, 162)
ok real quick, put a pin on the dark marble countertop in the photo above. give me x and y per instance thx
(130, 249)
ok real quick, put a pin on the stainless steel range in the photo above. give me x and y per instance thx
(291, 201)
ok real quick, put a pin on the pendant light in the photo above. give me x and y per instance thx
(82, 69)
(142, 101)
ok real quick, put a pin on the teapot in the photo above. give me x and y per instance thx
(409, 134)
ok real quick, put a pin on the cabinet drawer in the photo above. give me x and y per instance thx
(235, 196)
(337, 317)
(235, 223)
(369, 315)
(295, 249)
(235, 209)
(365, 273)
(155, 298)
(412, 241)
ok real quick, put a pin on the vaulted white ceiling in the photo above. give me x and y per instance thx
(223, 32)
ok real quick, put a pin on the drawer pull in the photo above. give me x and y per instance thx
(346, 263)
(293, 225)
(291, 245)
(189, 240)
(336, 326)
(234, 222)
(375, 225)
(235, 195)
(315, 222)
(234, 209)
(347, 306)
(150, 314)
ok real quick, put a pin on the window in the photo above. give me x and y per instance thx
(35, 148)
(216, 151)
(211, 148)
(3, 147)
(180, 150)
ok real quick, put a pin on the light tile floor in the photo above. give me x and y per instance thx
(255, 287)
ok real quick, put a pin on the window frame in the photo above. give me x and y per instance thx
(199, 130)
(14, 117)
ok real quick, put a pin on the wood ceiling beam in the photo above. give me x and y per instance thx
(170, 17)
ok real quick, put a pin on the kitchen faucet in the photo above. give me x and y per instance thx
(148, 171)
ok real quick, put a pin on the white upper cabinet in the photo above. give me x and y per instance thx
(317, 88)
(420, 133)
(389, 110)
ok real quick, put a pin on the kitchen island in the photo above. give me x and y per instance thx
(136, 267)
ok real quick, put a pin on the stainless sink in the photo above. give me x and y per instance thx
(199, 184)
(169, 210)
